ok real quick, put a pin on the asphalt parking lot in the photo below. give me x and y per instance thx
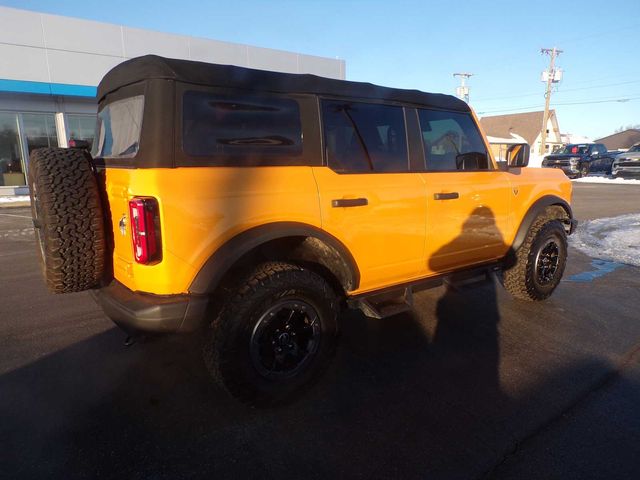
(471, 385)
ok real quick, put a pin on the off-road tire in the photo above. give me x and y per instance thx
(227, 343)
(68, 219)
(520, 278)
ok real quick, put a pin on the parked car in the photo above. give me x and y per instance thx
(251, 206)
(627, 164)
(579, 159)
(81, 144)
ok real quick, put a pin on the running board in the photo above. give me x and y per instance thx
(385, 304)
(392, 301)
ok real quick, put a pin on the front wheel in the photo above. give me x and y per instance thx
(584, 171)
(539, 262)
(274, 336)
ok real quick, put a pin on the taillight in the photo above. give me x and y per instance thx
(145, 229)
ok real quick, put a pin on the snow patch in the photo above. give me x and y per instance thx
(17, 198)
(608, 180)
(615, 239)
(535, 161)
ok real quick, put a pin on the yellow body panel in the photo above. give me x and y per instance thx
(469, 229)
(403, 234)
(200, 209)
(386, 236)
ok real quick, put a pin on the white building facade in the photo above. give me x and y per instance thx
(51, 65)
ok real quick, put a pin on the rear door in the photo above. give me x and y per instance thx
(468, 198)
(369, 198)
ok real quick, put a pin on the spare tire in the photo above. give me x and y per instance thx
(68, 218)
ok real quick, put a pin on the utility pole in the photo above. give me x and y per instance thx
(462, 91)
(551, 78)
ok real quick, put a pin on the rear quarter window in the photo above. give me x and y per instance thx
(119, 128)
(238, 129)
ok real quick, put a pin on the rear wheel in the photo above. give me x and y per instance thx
(274, 336)
(539, 262)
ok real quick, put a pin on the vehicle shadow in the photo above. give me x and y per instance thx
(412, 396)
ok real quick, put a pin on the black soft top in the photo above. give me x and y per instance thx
(200, 73)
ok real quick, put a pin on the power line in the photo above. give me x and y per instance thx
(586, 102)
(561, 91)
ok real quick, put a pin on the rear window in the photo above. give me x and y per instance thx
(119, 127)
(248, 129)
(364, 137)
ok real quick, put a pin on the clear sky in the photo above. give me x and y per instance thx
(420, 44)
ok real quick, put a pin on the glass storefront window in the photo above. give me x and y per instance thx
(40, 130)
(11, 165)
(81, 130)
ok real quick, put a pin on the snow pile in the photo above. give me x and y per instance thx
(608, 180)
(17, 198)
(615, 239)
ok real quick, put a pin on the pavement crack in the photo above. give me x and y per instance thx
(629, 358)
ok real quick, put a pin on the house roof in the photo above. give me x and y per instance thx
(527, 125)
(621, 140)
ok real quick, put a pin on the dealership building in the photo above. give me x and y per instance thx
(51, 65)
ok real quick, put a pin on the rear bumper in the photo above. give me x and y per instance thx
(142, 312)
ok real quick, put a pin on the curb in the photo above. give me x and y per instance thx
(25, 203)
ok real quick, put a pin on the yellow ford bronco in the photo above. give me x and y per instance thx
(251, 206)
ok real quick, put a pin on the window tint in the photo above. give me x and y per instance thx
(245, 128)
(452, 141)
(364, 137)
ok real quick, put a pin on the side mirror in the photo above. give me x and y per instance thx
(518, 155)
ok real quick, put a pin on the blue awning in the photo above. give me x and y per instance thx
(45, 88)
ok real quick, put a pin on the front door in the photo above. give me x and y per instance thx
(468, 199)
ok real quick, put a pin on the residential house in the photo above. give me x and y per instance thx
(528, 125)
(621, 140)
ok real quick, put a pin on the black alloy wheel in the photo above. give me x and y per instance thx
(273, 337)
(546, 263)
(285, 338)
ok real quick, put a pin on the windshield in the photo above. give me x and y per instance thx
(119, 126)
(635, 148)
(575, 149)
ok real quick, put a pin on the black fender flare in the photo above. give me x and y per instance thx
(536, 209)
(225, 257)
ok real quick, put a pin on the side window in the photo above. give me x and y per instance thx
(452, 141)
(251, 130)
(364, 137)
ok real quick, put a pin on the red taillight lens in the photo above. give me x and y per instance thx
(145, 230)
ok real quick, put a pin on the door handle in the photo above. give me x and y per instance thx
(446, 196)
(349, 202)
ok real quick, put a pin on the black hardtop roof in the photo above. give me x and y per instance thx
(200, 73)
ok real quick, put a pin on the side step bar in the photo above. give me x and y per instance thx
(395, 300)
(386, 304)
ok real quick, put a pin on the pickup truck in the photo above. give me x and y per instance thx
(579, 159)
(627, 163)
